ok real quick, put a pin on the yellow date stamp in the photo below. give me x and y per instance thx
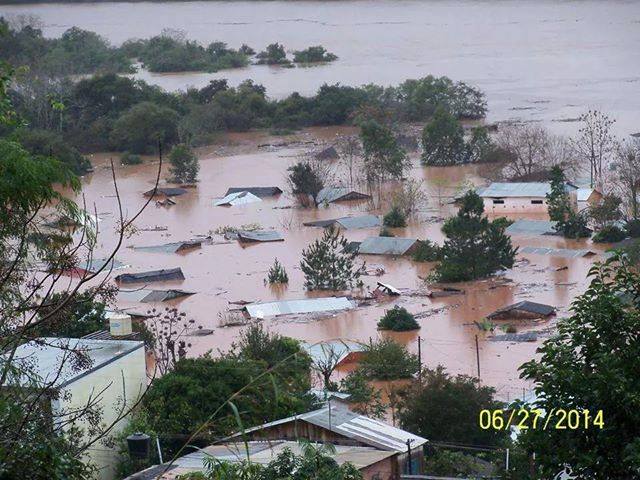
(555, 419)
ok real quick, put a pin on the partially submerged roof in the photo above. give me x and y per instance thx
(557, 252)
(173, 247)
(329, 153)
(94, 265)
(518, 189)
(238, 198)
(338, 349)
(531, 227)
(339, 194)
(307, 305)
(526, 306)
(51, 360)
(583, 194)
(152, 276)
(166, 191)
(259, 236)
(388, 289)
(361, 221)
(387, 245)
(257, 191)
(144, 295)
(337, 418)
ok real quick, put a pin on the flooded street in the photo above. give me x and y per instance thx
(540, 61)
(228, 272)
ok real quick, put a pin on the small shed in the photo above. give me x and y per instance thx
(339, 194)
(523, 310)
(518, 197)
(307, 305)
(259, 236)
(339, 351)
(163, 275)
(388, 246)
(348, 223)
(238, 198)
(166, 191)
(261, 192)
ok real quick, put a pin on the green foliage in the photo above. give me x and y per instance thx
(394, 218)
(184, 164)
(364, 399)
(139, 129)
(398, 319)
(50, 144)
(443, 140)
(386, 359)
(607, 211)
(450, 463)
(475, 247)
(610, 234)
(305, 180)
(383, 157)
(633, 228)
(128, 158)
(446, 408)
(426, 251)
(313, 55)
(480, 148)
(592, 364)
(166, 53)
(274, 54)
(277, 273)
(568, 222)
(327, 265)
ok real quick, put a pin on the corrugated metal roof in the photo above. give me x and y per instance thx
(386, 245)
(583, 194)
(531, 227)
(149, 296)
(363, 221)
(518, 189)
(166, 191)
(257, 191)
(152, 276)
(557, 252)
(238, 198)
(51, 360)
(171, 247)
(307, 305)
(338, 418)
(526, 306)
(95, 264)
(335, 194)
(321, 352)
(260, 236)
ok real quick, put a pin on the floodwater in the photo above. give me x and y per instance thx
(228, 272)
(542, 61)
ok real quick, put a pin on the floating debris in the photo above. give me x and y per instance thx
(516, 337)
(238, 198)
(445, 292)
(387, 289)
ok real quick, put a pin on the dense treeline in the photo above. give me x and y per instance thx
(110, 112)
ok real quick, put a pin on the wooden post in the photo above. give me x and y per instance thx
(419, 357)
(478, 356)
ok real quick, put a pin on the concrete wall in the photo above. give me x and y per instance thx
(123, 381)
(386, 469)
(515, 205)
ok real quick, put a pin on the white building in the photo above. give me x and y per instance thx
(113, 380)
(587, 197)
(518, 197)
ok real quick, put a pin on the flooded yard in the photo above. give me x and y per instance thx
(227, 271)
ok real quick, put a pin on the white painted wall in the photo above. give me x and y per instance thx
(125, 380)
(515, 205)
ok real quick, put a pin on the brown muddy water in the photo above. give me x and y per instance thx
(227, 272)
(541, 61)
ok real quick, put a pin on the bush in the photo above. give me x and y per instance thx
(184, 164)
(130, 159)
(313, 54)
(274, 54)
(426, 251)
(633, 228)
(398, 319)
(48, 143)
(277, 273)
(395, 218)
(388, 360)
(139, 129)
(610, 234)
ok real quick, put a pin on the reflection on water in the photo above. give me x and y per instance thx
(536, 60)
(227, 272)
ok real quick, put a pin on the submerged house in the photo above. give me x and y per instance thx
(587, 197)
(292, 307)
(342, 352)
(237, 198)
(348, 223)
(261, 192)
(144, 295)
(165, 191)
(334, 423)
(339, 194)
(259, 236)
(519, 197)
(523, 310)
(152, 276)
(388, 246)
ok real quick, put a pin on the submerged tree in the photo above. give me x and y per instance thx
(327, 263)
(384, 158)
(277, 273)
(591, 366)
(475, 247)
(570, 223)
(595, 143)
(443, 140)
(184, 164)
(307, 178)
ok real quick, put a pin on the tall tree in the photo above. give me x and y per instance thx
(307, 178)
(591, 364)
(384, 158)
(327, 264)
(570, 223)
(184, 164)
(595, 143)
(443, 140)
(627, 177)
(475, 247)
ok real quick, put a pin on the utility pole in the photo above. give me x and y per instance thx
(408, 468)
(420, 357)
(506, 461)
(478, 356)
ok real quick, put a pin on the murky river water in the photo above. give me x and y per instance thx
(228, 272)
(536, 60)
